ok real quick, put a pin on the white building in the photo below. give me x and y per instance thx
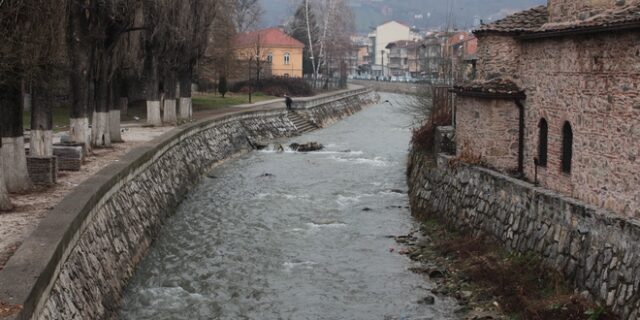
(384, 34)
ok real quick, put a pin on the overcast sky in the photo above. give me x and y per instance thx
(421, 13)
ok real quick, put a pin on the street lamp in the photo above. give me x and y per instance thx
(250, 76)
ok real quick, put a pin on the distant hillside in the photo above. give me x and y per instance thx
(420, 13)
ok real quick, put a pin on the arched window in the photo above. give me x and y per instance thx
(270, 57)
(287, 58)
(567, 147)
(543, 142)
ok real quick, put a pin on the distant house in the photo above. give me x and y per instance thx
(404, 57)
(270, 51)
(461, 53)
(557, 101)
(384, 34)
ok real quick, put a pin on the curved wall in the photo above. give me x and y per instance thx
(79, 260)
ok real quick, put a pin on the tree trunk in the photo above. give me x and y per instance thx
(186, 105)
(100, 135)
(79, 43)
(41, 144)
(170, 99)
(124, 96)
(154, 117)
(5, 202)
(14, 159)
(26, 97)
(114, 111)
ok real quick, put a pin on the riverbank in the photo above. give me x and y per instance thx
(491, 283)
(512, 238)
(87, 247)
(32, 207)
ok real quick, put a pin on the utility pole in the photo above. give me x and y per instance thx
(382, 52)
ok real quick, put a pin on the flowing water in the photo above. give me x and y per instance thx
(294, 235)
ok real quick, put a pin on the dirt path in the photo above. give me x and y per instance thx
(31, 208)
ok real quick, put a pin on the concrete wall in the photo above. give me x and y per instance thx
(597, 251)
(79, 260)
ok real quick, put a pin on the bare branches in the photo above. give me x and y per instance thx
(247, 14)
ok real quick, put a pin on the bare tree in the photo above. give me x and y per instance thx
(28, 30)
(247, 14)
(328, 36)
(203, 13)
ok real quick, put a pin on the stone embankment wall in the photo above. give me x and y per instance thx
(393, 87)
(79, 260)
(597, 250)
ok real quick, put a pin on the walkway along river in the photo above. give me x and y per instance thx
(294, 235)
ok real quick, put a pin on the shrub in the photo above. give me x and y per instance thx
(275, 86)
(424, 137)
(222, 86)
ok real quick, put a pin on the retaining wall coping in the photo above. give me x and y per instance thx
(29, 272)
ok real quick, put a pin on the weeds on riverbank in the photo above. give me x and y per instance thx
(519, 286)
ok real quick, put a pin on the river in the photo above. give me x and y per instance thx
(291, 235)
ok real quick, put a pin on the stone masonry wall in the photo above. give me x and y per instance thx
(496, 122)
(92, 259)
(593, 82)
(597, 251)
(498, 57)
(121, 229)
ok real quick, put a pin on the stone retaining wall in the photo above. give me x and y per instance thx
(79, 260)
(598, 251)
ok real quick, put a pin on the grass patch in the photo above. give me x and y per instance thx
(212, 101)
(60, 119)
(518, 284)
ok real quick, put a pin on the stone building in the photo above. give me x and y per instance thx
(557, 100)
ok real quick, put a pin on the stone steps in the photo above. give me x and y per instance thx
(302, 125)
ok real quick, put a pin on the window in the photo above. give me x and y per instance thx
(567, 147)
(543, 142)
(287, 58)
(270, 57)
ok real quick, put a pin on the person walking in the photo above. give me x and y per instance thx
(288, 101)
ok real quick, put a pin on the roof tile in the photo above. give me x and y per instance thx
(274, 37)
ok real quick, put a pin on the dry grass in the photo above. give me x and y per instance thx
(520, 284)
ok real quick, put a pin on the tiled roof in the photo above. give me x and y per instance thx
(491, 88)
(272, 37)
(535, 22)
(403, 44)
(528, 20)
(611, 18)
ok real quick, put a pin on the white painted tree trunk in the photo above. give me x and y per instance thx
(5, 202)
(79, 133)
(100, 137)
(14, 165)
(153, 113)
(170, 111)
(114, 126)
(41, 144)
(186, 108)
